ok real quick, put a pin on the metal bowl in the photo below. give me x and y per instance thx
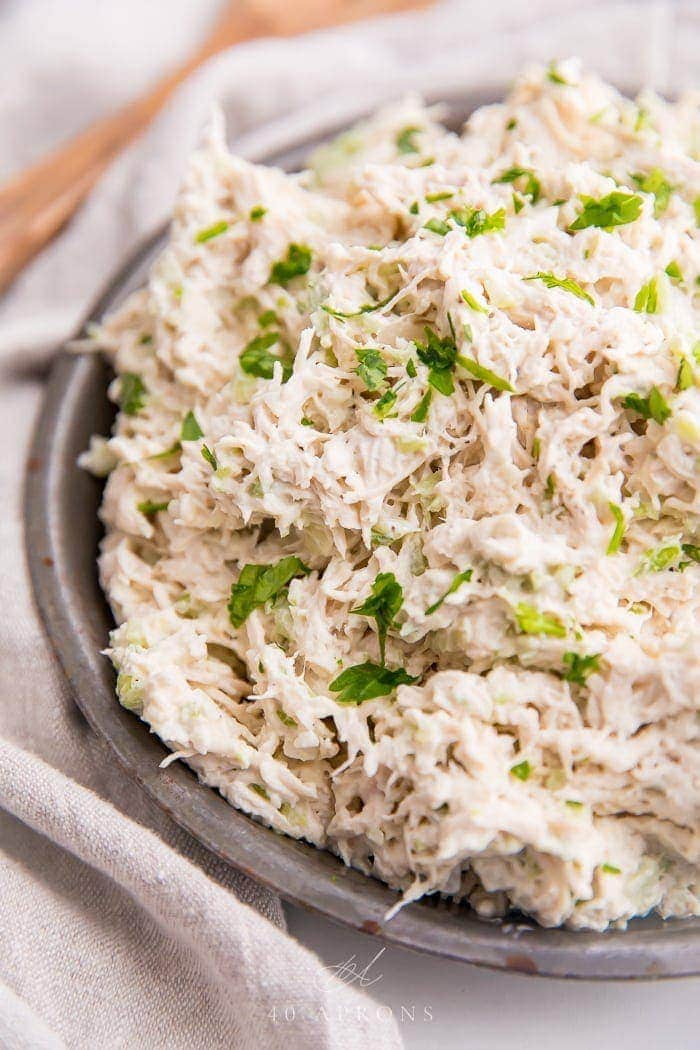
(63, 532)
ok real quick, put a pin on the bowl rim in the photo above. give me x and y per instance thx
(303, 875)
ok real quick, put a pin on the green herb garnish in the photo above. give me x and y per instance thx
(460, 578)
(368, 308)
(440, 356)
(565, 283)
(372, 368)
(256, 359)
(209, 456)
(618, 531)
(674, 271)
(296, 264)
(656, 183)
(258, 584)
(615, 209)
(529, 184)
(659, 559)
(267, 317)
(532, 621)
(383, 604)
(257, 213)
(190, 429)
(647, 298)
(522, 771)
(411, 368)
(653, 407)
(367, 681)
(210, 232)
(578, 668)
(420, 413)
(485, 375)
(438, 226)
(384, 405)
(611, 869)
(405, 140)
(685, 377)
(132, 393)
(444, 195)
(476, 221)
(473, 302)
(149, 508)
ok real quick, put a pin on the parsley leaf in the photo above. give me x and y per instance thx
(565, 283)
(656, 183)
(476, 221)
(653, 407)
(618, 531)
(149, 508)
(691, 551)
(578, 668)
(256, 359)
(257, 213)
(257, 584)
(438, 226)
(440, 356)
(190, 430)
(411, 368)
(405, 140)
(460, 578)
(659, 559)
(443, 195)
(420, 412)
(210, 232)
(372, 368)
(384, 405)
(382, 605)
(522, 771)
(472, 302)
(674, 271)
(367, 681)
(296, 264)
(210, 457)
(530, 185)
(485, 375)
(132, 393)
(611, 869)
(267, 317)
(647, 298)
(615, 209)
(532, 621)
(685, 378)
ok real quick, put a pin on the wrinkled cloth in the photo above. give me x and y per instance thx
(118, 929)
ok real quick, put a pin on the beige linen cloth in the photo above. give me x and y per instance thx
(117, 929)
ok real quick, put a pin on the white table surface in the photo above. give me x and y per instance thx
(452, 1005)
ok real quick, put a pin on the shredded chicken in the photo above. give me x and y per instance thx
(403, 503)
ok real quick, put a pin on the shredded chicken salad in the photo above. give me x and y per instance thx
(403, 507)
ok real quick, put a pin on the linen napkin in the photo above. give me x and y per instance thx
(117, 928)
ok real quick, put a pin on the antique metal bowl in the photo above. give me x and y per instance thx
(63, 532)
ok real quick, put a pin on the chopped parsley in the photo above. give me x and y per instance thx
(529, 184)
(555, 77)
(674, 271)
(286, 719)
(512, 124)
(256, 359)
(685, 377)
(476, 221)
(149, 508)
(210, 457)
(438, 226)
(372, 368)
(383, 604)
(656, 183)
(473, 302)
(132, 393)
(257, 213)
(578, 668)
(618, 531)
(440, 356)
(691, 551)
(615, 209)
(405, 140)
(522, 770)
(210, 232)
(611, 869)
(267, 317)
(444, 195)
(531, 621)
(415, 208)
(420, 413)
(484, 375)
(647, 298)
(460, 578)
(653, 407)
(567, 284)
(411, 368)
(659, 559)
(384, 405)
(367, 681)
(296, 263)
(190, 429)
(258, 584)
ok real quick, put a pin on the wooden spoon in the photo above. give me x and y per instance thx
(35, 204)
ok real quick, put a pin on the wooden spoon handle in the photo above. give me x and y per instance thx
(35, 204)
